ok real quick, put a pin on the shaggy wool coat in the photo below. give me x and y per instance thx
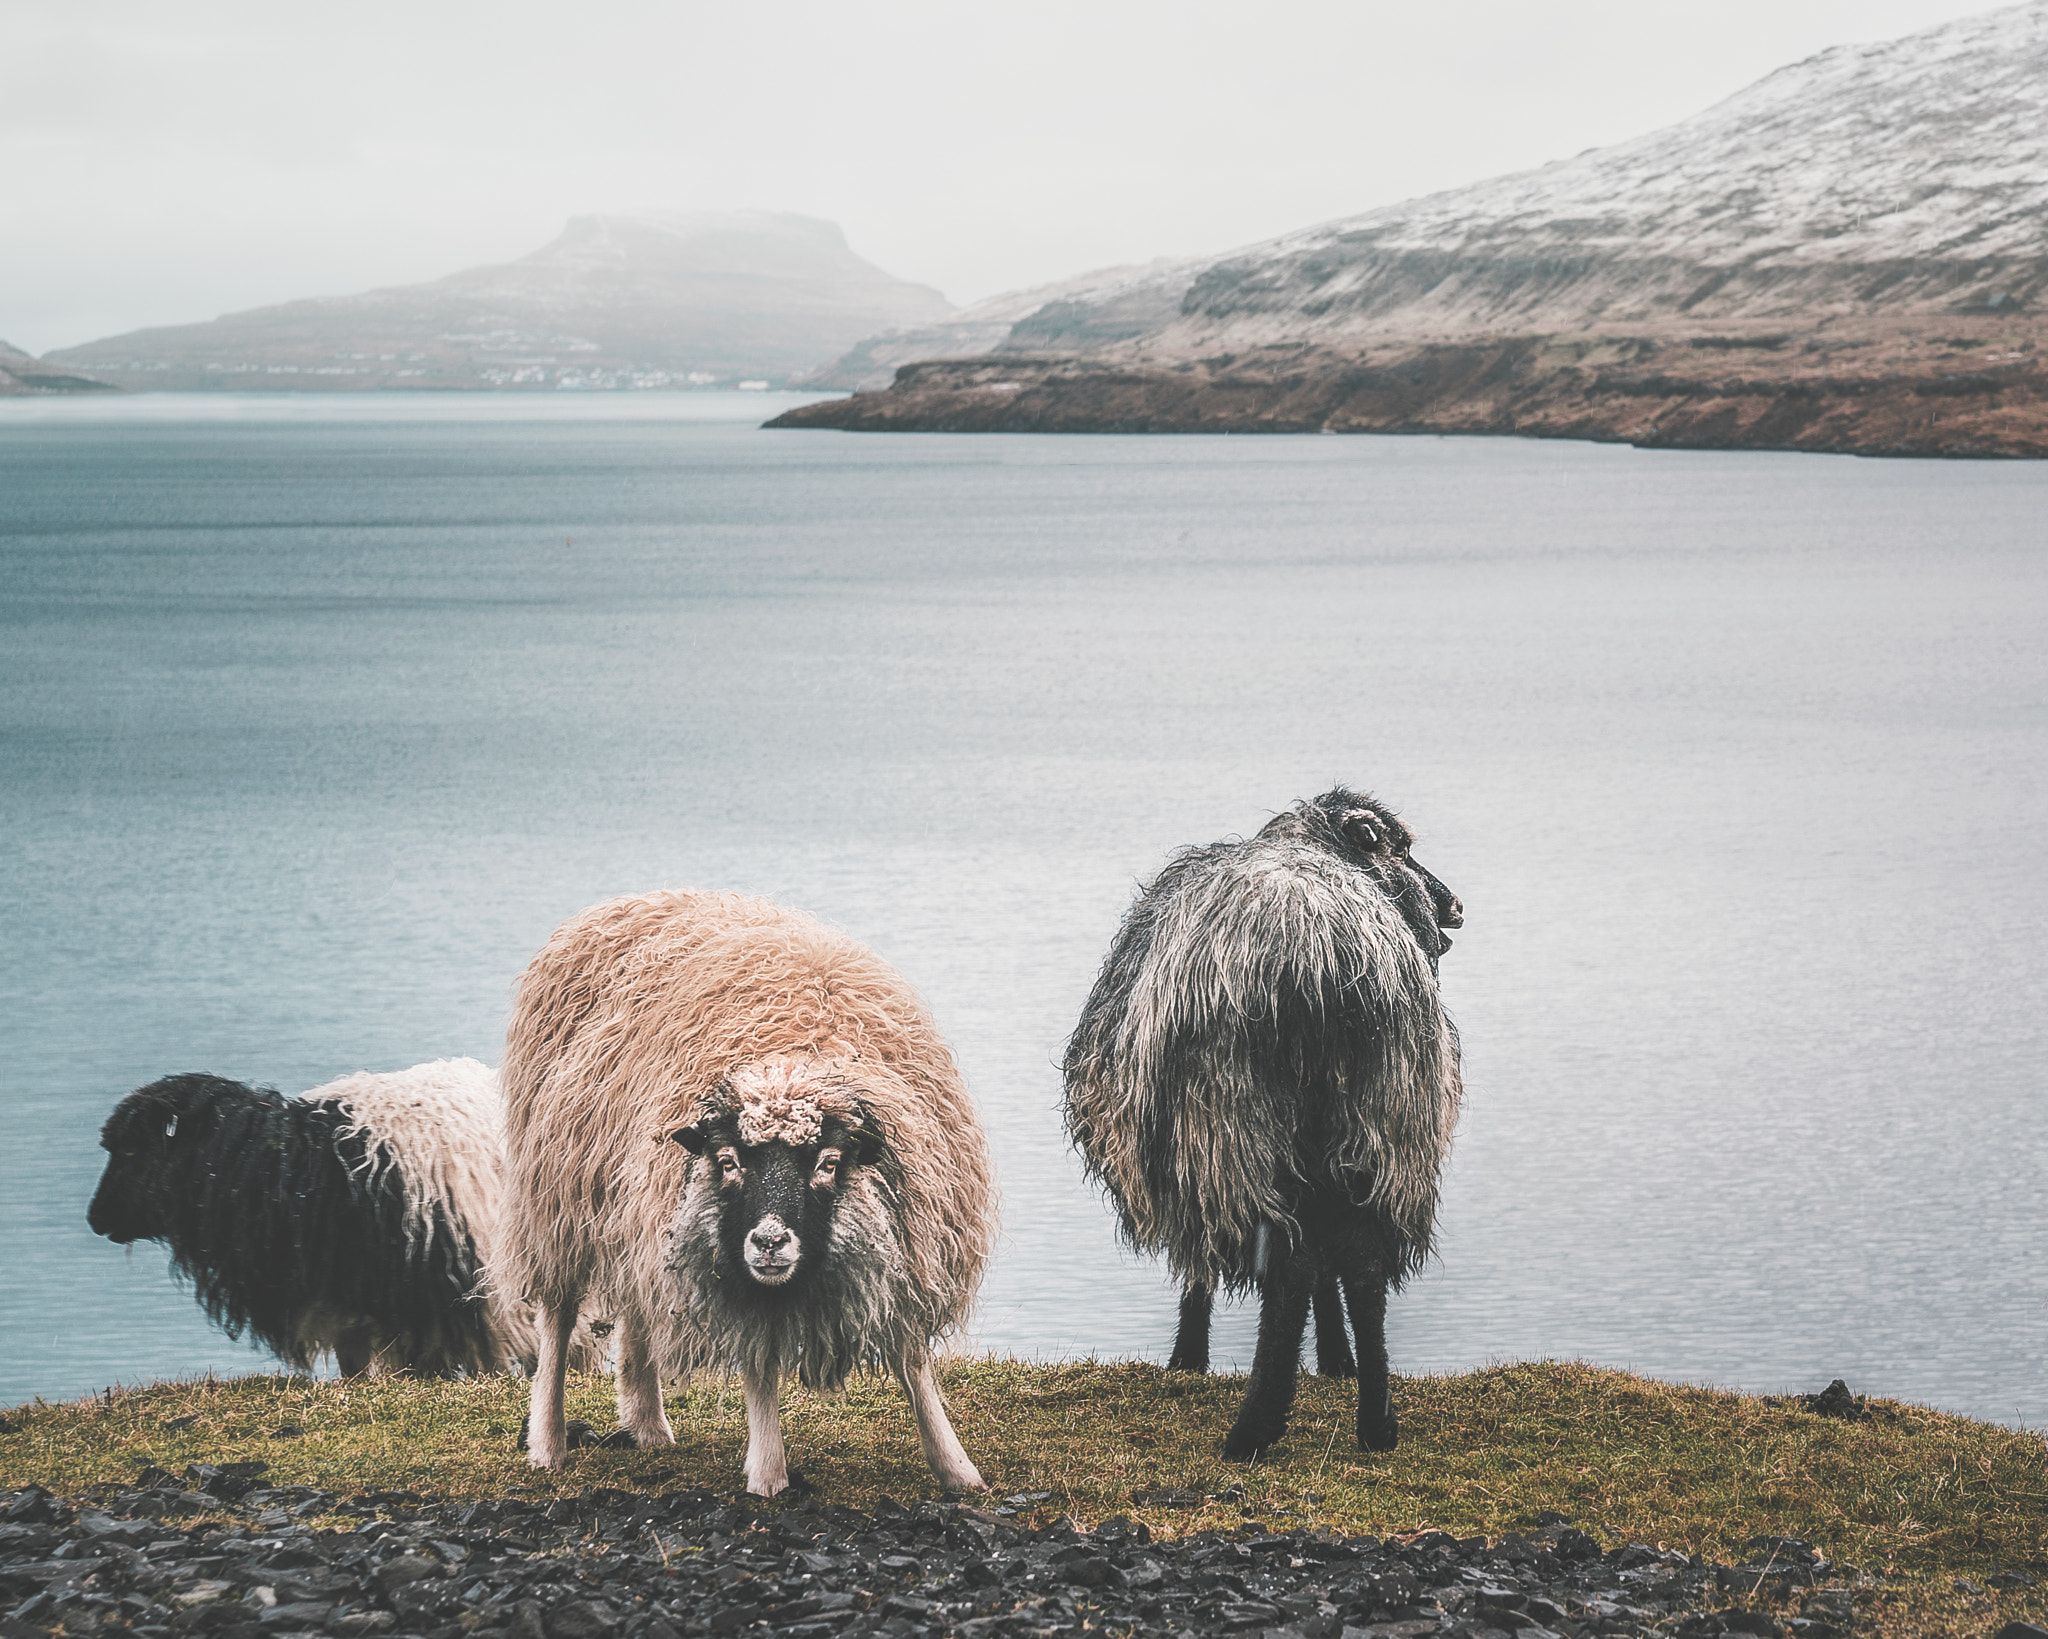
(632, 1023)
(1265, 1034)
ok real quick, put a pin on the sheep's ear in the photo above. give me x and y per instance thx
(863, 1145)
(691, 1138)
(1362, 825)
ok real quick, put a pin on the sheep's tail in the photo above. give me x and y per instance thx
(1264, 1025)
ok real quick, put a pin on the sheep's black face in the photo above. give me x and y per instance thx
(140, 1139)
(1374, 836)
(776, 1201)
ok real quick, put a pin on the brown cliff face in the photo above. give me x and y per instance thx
(1960, 389)
(1851, 254)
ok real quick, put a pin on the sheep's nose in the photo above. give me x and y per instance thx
(770, 1237)
(1453, 914)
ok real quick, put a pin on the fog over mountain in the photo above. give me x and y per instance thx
(1868, 219)
(22, 375)
(639, 300)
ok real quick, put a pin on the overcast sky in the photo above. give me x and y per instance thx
(165, 162)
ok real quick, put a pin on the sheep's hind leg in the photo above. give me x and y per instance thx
(767, 1461)
(1191, 1341)
(942, 1448)
(547, 1429)
(1333, 1343)
(640, 1410)
(1378, 1428)
(1284, 1299)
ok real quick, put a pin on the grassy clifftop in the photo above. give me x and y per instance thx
(1485, 1452)
(1906, 1492)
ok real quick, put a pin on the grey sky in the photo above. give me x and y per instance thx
(168, 162)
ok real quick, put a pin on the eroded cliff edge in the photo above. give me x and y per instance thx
(1850, 254)
(1951, 391)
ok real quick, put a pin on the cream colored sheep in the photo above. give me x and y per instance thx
(740, 1133)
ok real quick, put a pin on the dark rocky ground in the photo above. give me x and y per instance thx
(619, 1565)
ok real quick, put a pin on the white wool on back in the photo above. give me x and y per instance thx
(442, 1126)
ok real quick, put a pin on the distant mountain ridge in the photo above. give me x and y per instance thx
(1871, 218)
(650, 299)
(1105, 305)
(22, 375)
(1904, 175)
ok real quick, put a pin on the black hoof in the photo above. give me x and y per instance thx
(618, 1440)
(1347, 1367)
(580, 1433)
(1381, 1433)
(1243, 1446)
(1189, 1363)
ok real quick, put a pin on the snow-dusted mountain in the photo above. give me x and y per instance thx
(1851, 254)
(652, 299)
(1908, 174)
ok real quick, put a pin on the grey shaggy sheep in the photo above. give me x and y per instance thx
(744, 1131)
(1265, 1081)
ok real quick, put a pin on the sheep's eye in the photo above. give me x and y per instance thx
(728, 1163)
(828, 1167)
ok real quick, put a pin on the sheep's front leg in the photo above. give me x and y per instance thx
(640, 1410)
(767, 1461)
(547, 1427)
(1378, 1428)
(1333, 1347)
(354, 1348)
(1284, 1298)
(942, 1448)
(1191, 1340)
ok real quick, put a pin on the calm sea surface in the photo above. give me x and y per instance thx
(317, 714)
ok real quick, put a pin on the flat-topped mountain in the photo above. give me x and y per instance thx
(1866, 228)
(650, 300)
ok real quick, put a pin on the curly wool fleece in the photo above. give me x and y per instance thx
(787, 1101)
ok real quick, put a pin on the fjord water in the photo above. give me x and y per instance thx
(320, 713)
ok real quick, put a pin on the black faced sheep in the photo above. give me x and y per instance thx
(743, 1131)
(1265, 1082)
(355, 1219)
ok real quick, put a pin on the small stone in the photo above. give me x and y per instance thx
(292, 1618)
(1836, 1401)
(402, 1572)
(581, 1619)
(527, 1622)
